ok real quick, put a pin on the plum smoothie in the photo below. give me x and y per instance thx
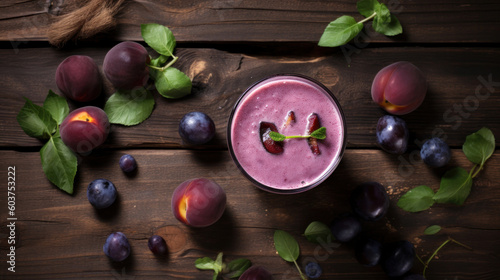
(297, 168)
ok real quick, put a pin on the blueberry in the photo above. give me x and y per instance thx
(196, 128)
(435, 152)
(117, 247)
(101, 193)
(157, 245)
(392, 134)
(313, 270)
(345, 227)
(128, 163)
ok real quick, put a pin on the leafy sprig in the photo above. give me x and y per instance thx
(288, 248)
(345, 28)
(319, 133)
(59, 163)
(233, 269)
(456, 183)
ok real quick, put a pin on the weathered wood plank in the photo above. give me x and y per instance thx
(61, 236)
(462, 96)
(265, 21)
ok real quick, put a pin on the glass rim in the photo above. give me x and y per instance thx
(326, 173)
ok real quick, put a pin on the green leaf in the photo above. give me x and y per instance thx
(59, 164)
(417, 199)
(36, 121)
(367, 7)
(455, 186)
(286, 245)
(172, 83)
(318, 232)
(340, 32)
(129, 107)
(159, 61)
(205, 263)
(432, 230)
(391, 28)
(319, 133)
(237, 267)
(383, 14)
(158, 37)
(479, 146)
(277, 136)
(57, 106)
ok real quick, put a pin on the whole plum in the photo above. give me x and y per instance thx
(256, 273)
(125, 65)
(78, 78)
(399, 88)
(198, 202)
(370, 201)
(84, 129)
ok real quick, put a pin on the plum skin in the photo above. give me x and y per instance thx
(125, 65)
(78, 78)
(399, 88)
(85, 129)
(198, 202)
(256, 273)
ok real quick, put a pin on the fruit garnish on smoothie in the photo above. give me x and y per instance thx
(270, 145)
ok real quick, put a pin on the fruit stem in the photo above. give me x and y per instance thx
(368, 18)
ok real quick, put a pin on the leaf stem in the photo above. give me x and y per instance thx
(368, 18)
(426, 264)
(476, 171)
(174, 59)
(300, 271)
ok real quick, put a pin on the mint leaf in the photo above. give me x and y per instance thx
(159, 38)
(479, 146)
(205, 263)
(383, 14)
(417, 199)
(455, 186)
(36, 121)
(57, 106)
(340, 32)
(286, 245)
(367, 7)
(158, 62)
(319, 133)
(59, 164)
(129, 107)
(391, 28)
(432, 230)
(318, 232)
(277, 136)
(237, 267)
(172, 83)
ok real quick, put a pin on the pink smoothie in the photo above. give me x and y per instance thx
(297, 168)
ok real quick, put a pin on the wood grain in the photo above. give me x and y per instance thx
(463, 93)
(61, 236)
(264, 21)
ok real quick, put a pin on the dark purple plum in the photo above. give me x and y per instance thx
(368, 251)
(157, 245)
(78, 78)
(125, 65)
(198, 202)
(101, 193)
(256, 273)
(414, 277)
(345, 227)
(117, 247)
(127, 163)
(392, 134)
(370, 201)
(84, 129)
(397, 258)
(196, 128)
(435, 152)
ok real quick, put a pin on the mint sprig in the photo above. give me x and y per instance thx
(456, 183)
(233, 269)
(319, 133)
(345, 28)
(59, 163)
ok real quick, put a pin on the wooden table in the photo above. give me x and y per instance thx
(224, 47)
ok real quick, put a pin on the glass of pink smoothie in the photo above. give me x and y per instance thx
(296, 168)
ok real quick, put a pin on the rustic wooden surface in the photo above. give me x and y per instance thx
(225, 46)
